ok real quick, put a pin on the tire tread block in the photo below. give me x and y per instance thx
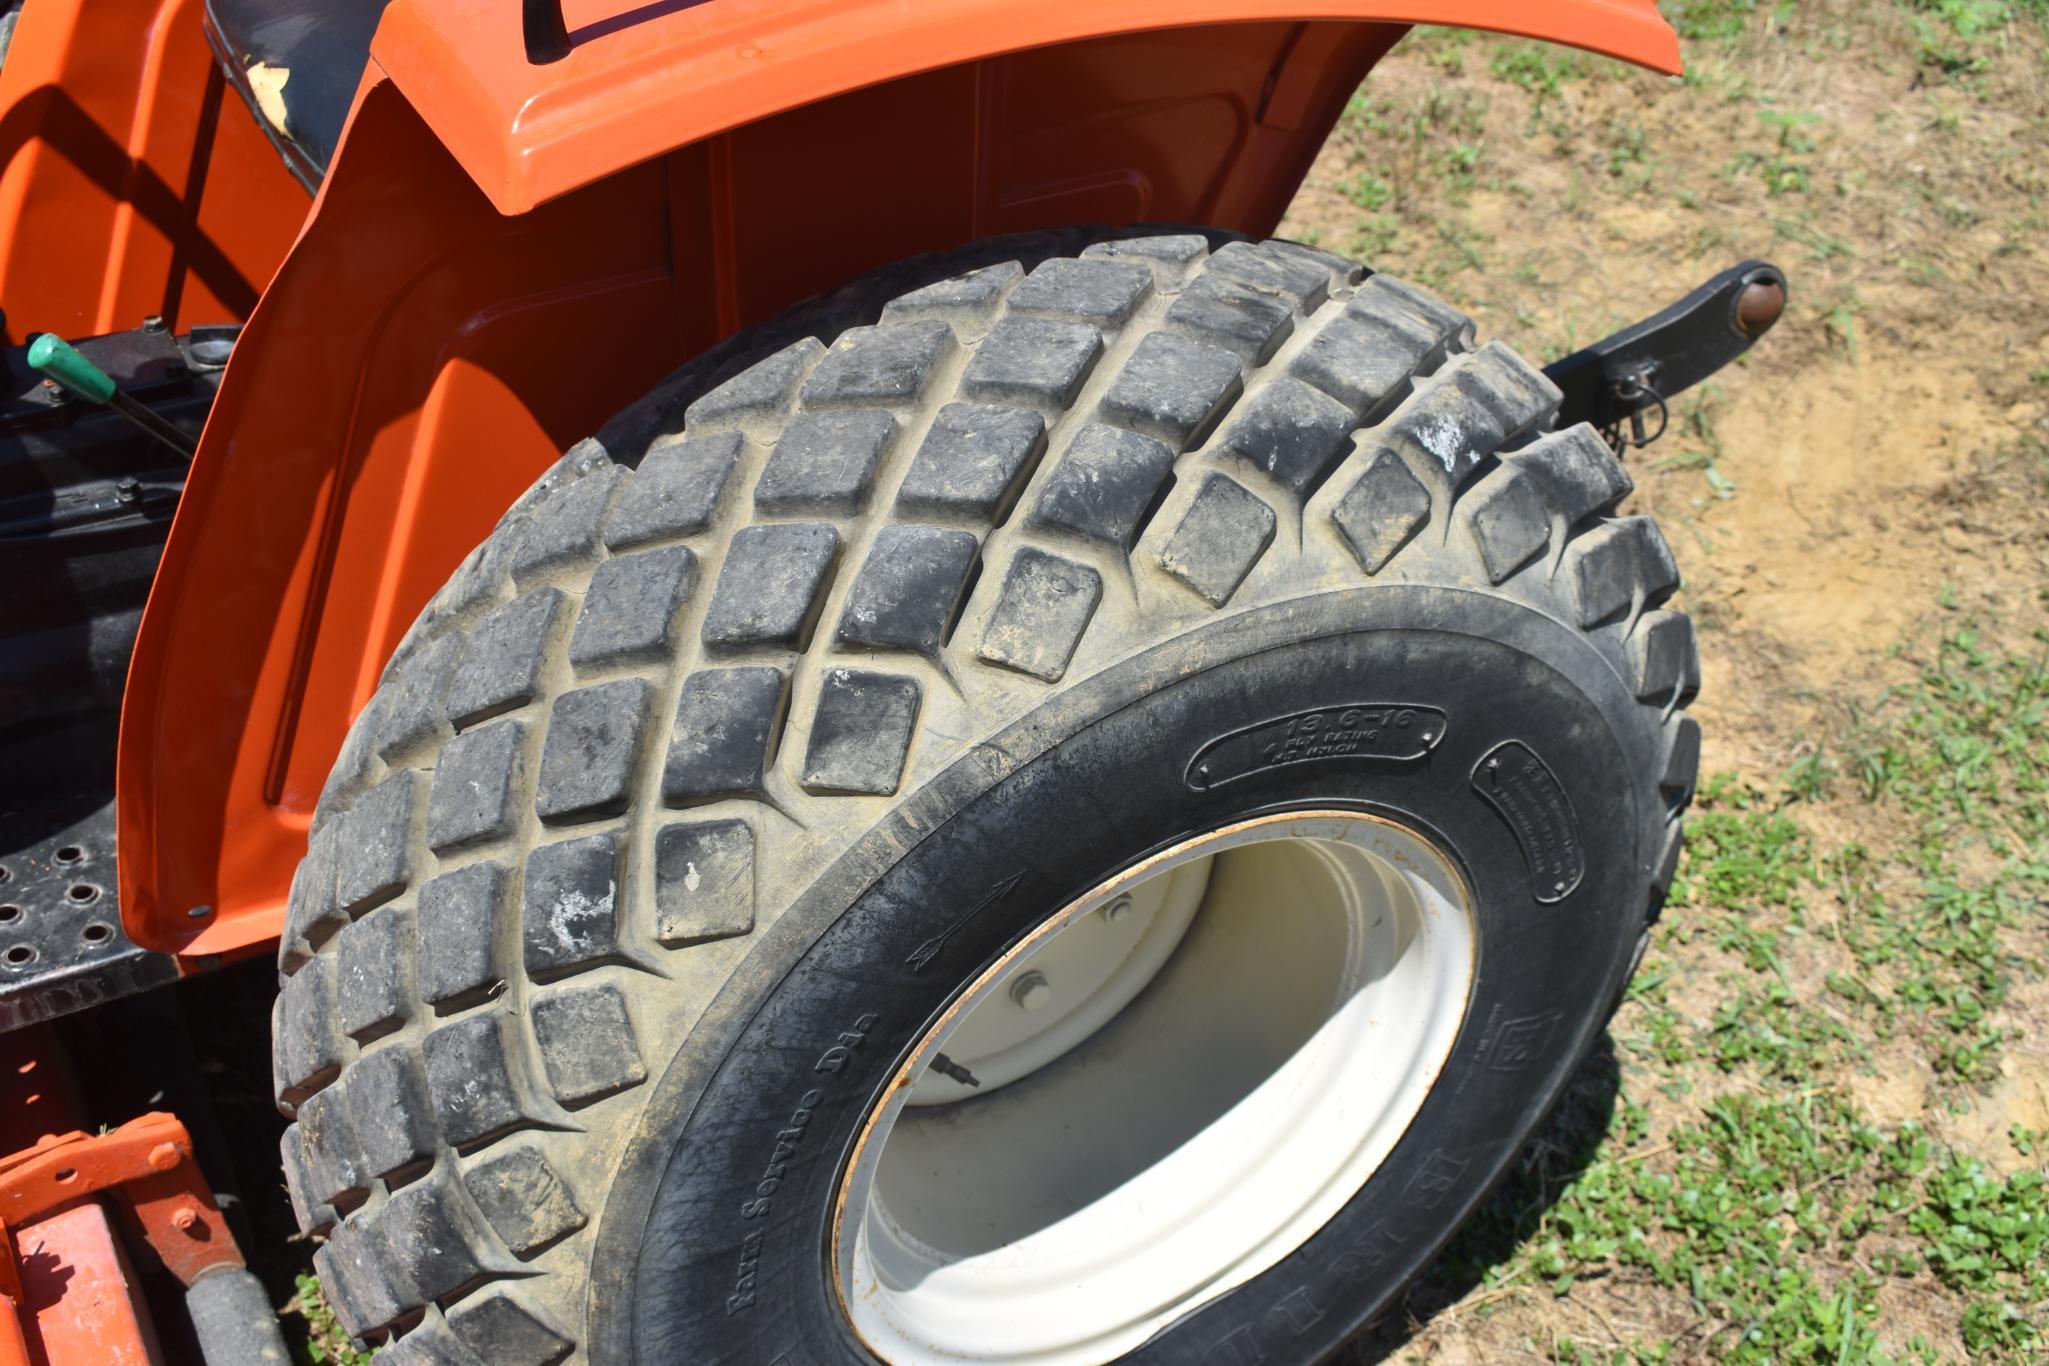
(1576, 472)
(676, 491)
(1045, 605)
(724, 739)
(477, 1081)
(479, 784)
(1666, 657)
(353, 1268)
(311, 911)
(414, 697)
(1617, 566)
(973, 462)
(335, 1166)
(824, 463)
(507, 651)
(972, 298)
(1220, 537)
(1302, 276)
(1290, 432)
(704, 881)
(1170, 257)
(390, 1109)
(890, 363)
(573, 905)
(909, 589)
(592, 750)
(312, 1212)
(1368, 355)
(761, 392)
(373, 972)
(1104, 293)
(504, 1332)
(1242, 320)
(562, 529)
(458, 917)
(1104, 485)
(861, 732)
(306, 1042)
(1172, 388)
(1382, 510)
(432, 1239)
(1486, 398)
(771, 586)
(1682, 761)
(588, 1047)
(631, 608)
(1507, 518)
(523, 1199)
(1037, 362)
(375, 860)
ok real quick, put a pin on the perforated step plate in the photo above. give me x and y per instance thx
(61, 945)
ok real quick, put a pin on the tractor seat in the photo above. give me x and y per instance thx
(297, 63)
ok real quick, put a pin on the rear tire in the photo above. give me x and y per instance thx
(773, 719)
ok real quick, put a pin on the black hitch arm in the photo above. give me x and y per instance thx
(1621, 377)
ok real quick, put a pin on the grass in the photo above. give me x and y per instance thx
(1766, 1199)
(322, 1341)
(1803, 1140)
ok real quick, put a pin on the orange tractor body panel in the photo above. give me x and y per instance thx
(504, 254)
(638, 83)
(132, 180)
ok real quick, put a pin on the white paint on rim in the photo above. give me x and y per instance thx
(1231, 1105)
(1092, 970)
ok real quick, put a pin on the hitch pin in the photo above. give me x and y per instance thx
(60, 361)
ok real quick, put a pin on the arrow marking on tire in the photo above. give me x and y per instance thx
(922, 956)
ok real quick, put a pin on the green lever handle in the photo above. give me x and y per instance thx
(56, 358)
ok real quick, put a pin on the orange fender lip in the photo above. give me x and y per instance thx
(665, 75)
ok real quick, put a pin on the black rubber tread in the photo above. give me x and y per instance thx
(694, 662)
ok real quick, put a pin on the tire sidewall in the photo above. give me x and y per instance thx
(715, 1240)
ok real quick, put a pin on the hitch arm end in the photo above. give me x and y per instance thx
(1646, 363)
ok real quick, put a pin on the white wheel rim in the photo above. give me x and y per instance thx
(1154, 1143)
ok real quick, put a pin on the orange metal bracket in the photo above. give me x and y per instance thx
(80, 1300)
(147, 1166)
(147, 1171)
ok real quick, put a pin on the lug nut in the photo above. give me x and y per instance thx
(1031, 991)
(1117, 909)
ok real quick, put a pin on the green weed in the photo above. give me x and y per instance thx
(1367, 191)
(1538, 68)
(1781, 168)
(326, 1343)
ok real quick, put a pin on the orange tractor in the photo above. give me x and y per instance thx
(1047, 781)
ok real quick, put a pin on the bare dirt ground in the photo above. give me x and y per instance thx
(1818, 1135)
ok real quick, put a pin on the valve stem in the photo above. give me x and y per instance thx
(947, 1067)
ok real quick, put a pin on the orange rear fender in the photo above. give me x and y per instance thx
(636, 84)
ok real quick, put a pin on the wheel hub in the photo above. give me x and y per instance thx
(1164, 1090)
